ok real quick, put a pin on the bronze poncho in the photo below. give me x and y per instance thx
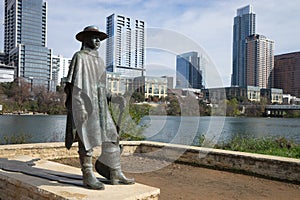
(87, 77)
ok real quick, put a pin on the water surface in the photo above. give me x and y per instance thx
(171, 129)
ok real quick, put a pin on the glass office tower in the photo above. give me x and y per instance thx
(188, 72)
(244, 25)
(25, 40)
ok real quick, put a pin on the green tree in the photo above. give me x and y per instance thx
(21, 96)
(204, 109)
(130, 119)
(137, 112)
(232, 107)
(137, 97)
(173, 107)
(6, 89)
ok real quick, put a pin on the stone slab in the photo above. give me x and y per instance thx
(16, 185)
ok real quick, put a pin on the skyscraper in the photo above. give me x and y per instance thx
(287, 73)
(25, 40)
(259, 61)
(244, 25)
(59, 68)
(188, 72)
(125, 47)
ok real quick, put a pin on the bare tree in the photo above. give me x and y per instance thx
(21, 92)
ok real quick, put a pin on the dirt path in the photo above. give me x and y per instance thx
(178, 181)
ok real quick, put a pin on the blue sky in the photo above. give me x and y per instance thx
(206, 24)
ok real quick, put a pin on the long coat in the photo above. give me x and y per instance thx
(86, 90)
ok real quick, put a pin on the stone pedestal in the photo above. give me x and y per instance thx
(16, 185)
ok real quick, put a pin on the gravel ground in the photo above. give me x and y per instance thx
(178, 181)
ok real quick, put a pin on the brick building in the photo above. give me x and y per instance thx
(287, 73)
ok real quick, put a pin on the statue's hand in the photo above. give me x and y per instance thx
(84, 116)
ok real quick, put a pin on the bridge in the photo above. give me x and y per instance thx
(277, 110)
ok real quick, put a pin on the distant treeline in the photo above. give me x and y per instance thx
(190, 106)
(21, 97)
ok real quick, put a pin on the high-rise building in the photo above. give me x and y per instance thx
(244, 25)
(259, 61)
(188, 71)
(125, 47)
(169, 81)
(6, 73)
(59, 68)
(287, 73)
(2, 57)
(25, 40)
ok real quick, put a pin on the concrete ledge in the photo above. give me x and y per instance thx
(270, 166)
(39, 150)
(51, 150)
(14, 185)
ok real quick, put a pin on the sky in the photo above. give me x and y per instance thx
(189, 25)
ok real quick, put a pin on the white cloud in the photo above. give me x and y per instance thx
(279, 21)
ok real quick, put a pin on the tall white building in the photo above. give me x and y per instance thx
(59, 68)
(259, 61)
(244, 25)
(6, 73)
(125, 47)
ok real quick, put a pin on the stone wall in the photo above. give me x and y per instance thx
(269, 166)
(39, 150)
(51, 150)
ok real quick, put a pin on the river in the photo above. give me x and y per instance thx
(186, 130)
(38, 128)
(171, 129)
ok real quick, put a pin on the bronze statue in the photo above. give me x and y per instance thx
(89, 121)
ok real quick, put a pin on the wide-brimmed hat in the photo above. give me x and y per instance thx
(90, 31)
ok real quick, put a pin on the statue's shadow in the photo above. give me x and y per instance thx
(27, 168)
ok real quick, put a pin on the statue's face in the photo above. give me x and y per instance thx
(93, 42)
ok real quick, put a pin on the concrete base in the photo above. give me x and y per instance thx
(15, 185)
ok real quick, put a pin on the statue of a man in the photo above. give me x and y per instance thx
(89, 121)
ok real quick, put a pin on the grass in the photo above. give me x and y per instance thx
(20, 138)
(270, 146)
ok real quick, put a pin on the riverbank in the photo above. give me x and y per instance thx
(24, 113)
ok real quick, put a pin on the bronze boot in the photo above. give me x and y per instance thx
(118, 177)
(89, 178)
(109, 164)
